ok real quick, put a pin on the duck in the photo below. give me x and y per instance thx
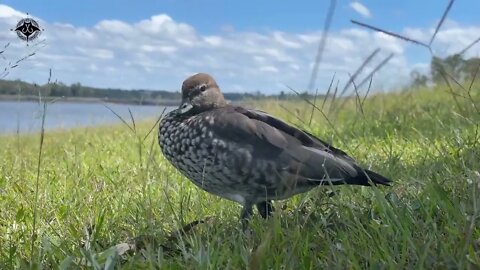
(249, 156)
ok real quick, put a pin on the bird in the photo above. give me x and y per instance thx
(247, 155)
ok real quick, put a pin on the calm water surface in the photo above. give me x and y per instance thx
(26, 116)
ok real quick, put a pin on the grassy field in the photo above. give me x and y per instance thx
(105, 197)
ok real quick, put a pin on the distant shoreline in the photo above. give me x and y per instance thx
(91, 100)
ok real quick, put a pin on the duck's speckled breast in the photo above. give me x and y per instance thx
(214, 164)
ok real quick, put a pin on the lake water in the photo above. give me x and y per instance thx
(26, 116)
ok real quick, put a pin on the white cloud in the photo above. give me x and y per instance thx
(96, 53)
(159, 52)
(361, 9)
(269, 69)
(114, 26)
(213, 40)
(453, 38)
(8, 12)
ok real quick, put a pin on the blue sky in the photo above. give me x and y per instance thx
(209, 16)
(246, 45)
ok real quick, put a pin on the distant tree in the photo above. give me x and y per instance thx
(454, 66)
(471, 68)
(76, 89)
(304, 95)
(418, 79)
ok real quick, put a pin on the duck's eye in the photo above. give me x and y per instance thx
(203, 87)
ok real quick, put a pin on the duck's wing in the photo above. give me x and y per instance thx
(305, 137)
(293, 151)
(297, 151)
(347, 165)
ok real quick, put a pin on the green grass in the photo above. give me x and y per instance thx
(99, 188)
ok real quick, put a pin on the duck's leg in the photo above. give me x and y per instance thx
(265, 208)
(246, 213)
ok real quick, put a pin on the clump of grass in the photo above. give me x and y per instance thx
(109, 199)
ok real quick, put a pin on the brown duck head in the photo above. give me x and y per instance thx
(200, 93)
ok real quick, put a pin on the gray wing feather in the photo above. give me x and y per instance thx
(294, 150)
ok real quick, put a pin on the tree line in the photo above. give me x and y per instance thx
(76, 90)
(451, 67)
(27, 90)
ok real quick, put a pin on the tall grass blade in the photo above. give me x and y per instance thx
(120, 117)
(390, 33)
(327, 95)
(440, 23)
(323, 42)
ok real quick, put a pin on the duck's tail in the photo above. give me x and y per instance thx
(367, 177)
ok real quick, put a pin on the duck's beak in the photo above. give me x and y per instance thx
(185, 106)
